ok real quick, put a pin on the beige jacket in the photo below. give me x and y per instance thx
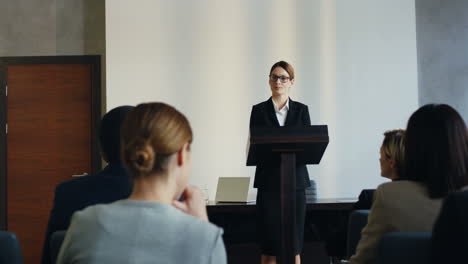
(399, 206)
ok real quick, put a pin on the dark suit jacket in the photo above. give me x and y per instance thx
(450, 233)
(263, 115)
(106, 186)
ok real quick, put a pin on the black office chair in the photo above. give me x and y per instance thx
(357, 221)
(10, 250)
(365, 200)
(406, 248)
(56, 241)
(450, 233)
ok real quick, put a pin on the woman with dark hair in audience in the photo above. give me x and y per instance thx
(435, 165)
(450, 232)
(151, 226)
(392, 154)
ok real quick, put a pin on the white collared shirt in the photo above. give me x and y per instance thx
(282, 113)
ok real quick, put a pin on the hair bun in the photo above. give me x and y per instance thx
(144, 159)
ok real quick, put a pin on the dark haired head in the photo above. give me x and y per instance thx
(437, 149)
(109, 134)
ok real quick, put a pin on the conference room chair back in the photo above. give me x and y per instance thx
(56, 241)
(10, 250)
(405, 248)
(357, 221)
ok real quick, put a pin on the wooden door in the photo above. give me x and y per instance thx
(49, 113)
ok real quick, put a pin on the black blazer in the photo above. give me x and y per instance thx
(109, 185)
(263, 115)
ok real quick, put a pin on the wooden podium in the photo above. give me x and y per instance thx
(291, 146)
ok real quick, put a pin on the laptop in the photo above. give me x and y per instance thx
(233, 190)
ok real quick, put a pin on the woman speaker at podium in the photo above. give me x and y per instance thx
(278, 111)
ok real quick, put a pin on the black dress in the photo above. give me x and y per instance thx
(267, 180)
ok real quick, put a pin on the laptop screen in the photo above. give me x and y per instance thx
(232, 189)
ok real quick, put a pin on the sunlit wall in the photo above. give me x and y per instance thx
(355, 65)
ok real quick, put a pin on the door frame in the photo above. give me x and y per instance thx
(95, 62)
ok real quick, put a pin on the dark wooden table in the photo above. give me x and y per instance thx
(318, 204)
(324, 233)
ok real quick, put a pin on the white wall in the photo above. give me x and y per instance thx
(442, 38)
(355, 67)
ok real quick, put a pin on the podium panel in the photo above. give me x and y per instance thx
(288, 146)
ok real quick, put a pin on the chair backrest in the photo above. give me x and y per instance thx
(357, 221)
(405, 248)
(365, 200)
(56, 241)
(450, 232)
(10, 250)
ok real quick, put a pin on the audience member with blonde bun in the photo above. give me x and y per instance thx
(151, 226)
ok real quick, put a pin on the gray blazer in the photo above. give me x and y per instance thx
(399, 206)
(130, 231)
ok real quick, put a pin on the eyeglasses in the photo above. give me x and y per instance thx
(283, 79)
